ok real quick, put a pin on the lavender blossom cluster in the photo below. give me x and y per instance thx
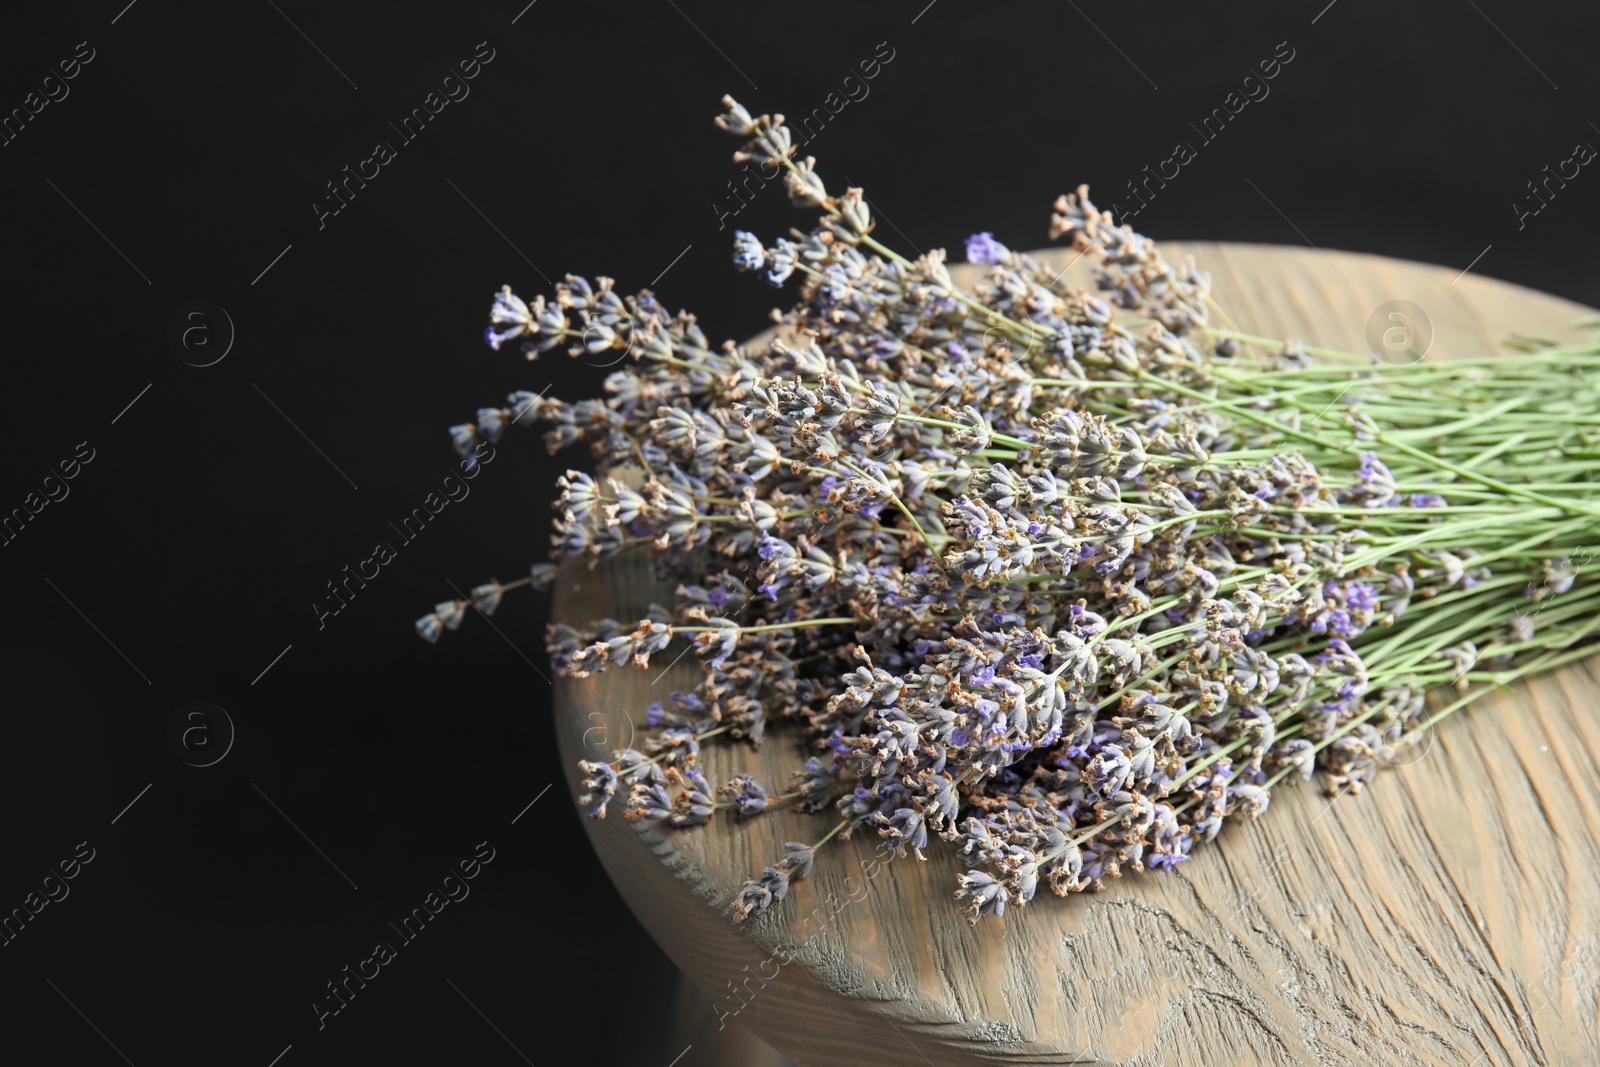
(1029, 580)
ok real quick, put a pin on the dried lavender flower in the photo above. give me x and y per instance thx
(1063, 579)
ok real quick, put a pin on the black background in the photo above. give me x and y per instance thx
(196, 142)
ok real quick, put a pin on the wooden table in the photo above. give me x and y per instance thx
(1448, 915)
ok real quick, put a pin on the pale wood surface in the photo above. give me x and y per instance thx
(1448, 915)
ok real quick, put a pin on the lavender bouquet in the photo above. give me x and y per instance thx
(1064, 578)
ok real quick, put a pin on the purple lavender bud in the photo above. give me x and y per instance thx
(716, 645)
(797, 859)
(675, 746)
(815, 780)
(1559, 574)
(633, 767)
(735, 119)
(904, 829)
(695, 803)
(983, 248)
(1362, 596)
(648, 801)
(747, 793)
(988, 896)
(600, 785)
(1301, 753)
(492, 423)
(748, 254)
(450, 613)
(511, 314)
(772, 547)
(781, 261)
(543, 576)
(486, 597)
(757, 896)
(1251, 799)
(465, 439)
(523, 406)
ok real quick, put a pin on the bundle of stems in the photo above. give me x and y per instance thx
(1066, 578)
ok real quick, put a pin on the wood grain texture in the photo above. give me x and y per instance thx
(1448, 915)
